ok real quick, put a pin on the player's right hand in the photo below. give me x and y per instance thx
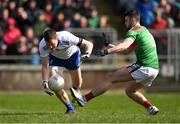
(46, 88)
(101, 53)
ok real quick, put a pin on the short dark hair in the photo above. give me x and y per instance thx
(133, 14)
(49, 34)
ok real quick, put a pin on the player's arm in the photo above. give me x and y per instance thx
(45, 75)
(80, 42)
(110, 46)
(122, 47)
(87, 46)
(45, 68)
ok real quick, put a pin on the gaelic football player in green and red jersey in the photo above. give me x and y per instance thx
(139, 74)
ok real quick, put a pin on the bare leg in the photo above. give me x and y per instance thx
(133, 92)
(121, 75)
(62, 95)
(76, 78)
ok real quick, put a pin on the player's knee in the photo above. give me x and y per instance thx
(129, 92)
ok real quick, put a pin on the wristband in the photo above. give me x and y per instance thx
(45, 81)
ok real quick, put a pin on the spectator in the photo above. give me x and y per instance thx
(30, 36)
(29, 33)
(103, 22)
(175, 13)
(3, 48)
(159, 22)
(4, 15)
(32, 10)
(69, 8)
(66, 24)
(76, 20)
(48, 11)
(22, 18)
(165, 9)
(22, 46)
(32, 16)
(94, 19)
(11, 32)
(12, 8)
(83, 22)
(59, 7)
(40, 24)
(86, 9)
(57, 22)
(146, 9)
(32, 44)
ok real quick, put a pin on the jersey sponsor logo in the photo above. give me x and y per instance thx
(65, 42)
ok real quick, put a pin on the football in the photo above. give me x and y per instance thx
(56, 83)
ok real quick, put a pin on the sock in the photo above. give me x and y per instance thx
(69, 106)
(147, 104)
(89, 96)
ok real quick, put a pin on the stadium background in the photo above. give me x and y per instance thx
(22, 21)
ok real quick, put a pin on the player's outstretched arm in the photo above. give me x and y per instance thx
(122, 47)
(45, 75)
(110, 46)
(88, 47)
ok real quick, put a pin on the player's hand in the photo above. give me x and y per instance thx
(105, 39)
(101, 53)
(85, 56)
(46, 88)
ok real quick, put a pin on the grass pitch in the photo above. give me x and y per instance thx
(108, 108)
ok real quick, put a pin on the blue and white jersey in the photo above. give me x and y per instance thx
(67, 46)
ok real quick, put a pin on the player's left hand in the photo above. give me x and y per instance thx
(101, 53)
(46, 88)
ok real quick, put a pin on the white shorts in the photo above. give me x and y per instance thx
(57, 69)
(144, 75)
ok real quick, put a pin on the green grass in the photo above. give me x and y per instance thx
(108, 108)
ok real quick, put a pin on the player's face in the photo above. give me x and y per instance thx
(127, 22)
(52, 44)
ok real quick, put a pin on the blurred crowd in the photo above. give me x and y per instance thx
(22, 22)
(155, 14)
